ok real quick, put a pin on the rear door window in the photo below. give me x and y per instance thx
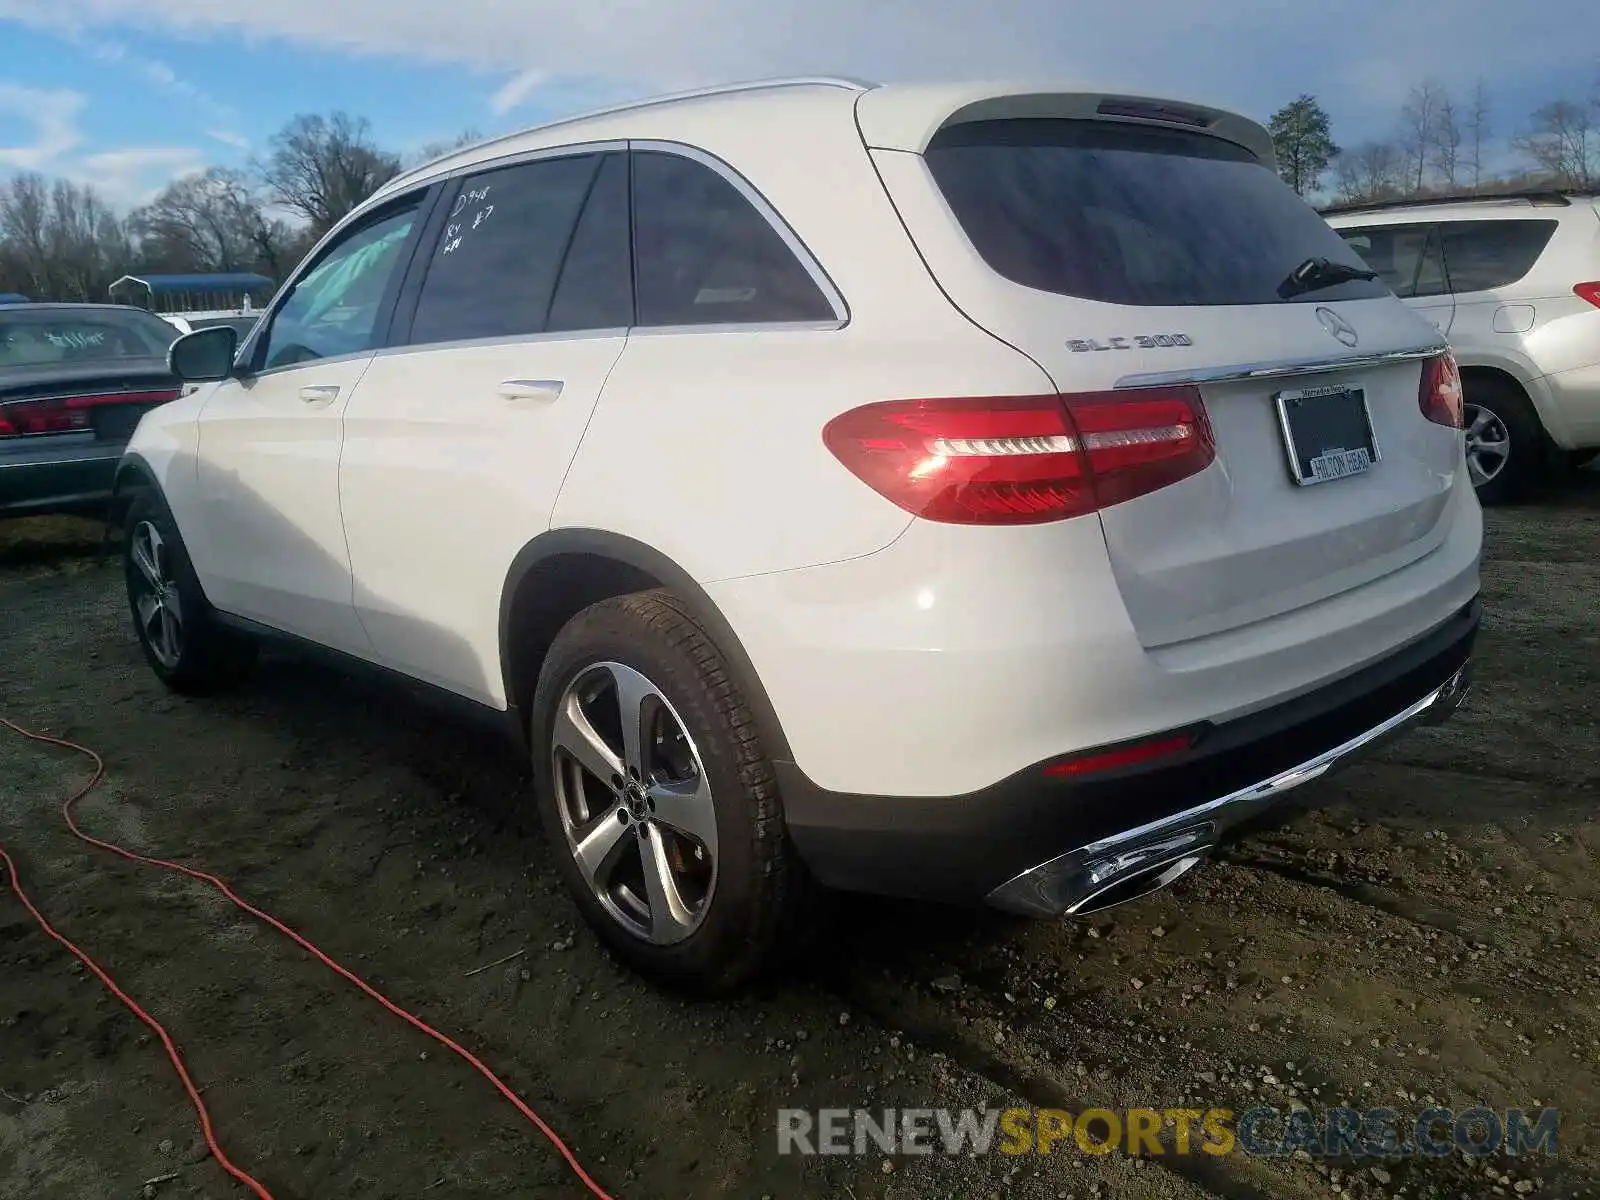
(1409, 258)
(493, 271)
(1130, 214)
(1489, 254)
(704, 255)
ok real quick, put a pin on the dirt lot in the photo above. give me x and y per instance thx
(1427, 934)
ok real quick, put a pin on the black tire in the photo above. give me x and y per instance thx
(208, 658)
(755, 913)
(1529, 462)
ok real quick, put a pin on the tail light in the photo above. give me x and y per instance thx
(67, 414)
(1440, 395)
(1020, 460)
(1588, 291)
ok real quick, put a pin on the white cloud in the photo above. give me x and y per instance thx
(229, 138)
(53, 113)
(125, 176)
(517, 89)
(1359, 55)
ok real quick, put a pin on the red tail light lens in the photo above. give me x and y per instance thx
(66, 414)
(1588, 291)
(1019, 460)
(1440, 395)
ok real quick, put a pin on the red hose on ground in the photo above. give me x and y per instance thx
(221, 886)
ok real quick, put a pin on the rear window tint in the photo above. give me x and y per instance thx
(1406, 257)
(1489, 254)
(33, 339)
(1130, 214)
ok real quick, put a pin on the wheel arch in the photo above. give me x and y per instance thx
(1529, 387)
(561, 572)
(133, 475)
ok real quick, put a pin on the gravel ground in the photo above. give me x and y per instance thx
(1425, 934)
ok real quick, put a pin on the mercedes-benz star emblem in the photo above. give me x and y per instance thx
(1338, 326)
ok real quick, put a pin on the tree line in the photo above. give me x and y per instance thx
(1442, 144)
(61, 240)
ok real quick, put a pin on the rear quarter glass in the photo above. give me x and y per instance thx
(1130, 214)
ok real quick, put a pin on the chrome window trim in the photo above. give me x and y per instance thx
(739, 327)
(508, 339)
(791, 239)
(1277, 369)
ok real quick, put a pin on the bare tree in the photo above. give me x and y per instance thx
(1477, 132)
(1419, 128)
(322, 167)
(433, 150)
(200, 223)
(1564, 142)
(1446, 150)
(24, 222)
(61, 240)
(1370, 171)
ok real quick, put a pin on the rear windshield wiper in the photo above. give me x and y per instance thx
(1317, 273)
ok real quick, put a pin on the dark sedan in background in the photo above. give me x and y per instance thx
(74, 381)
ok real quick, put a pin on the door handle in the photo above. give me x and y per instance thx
(319, 393)
(531, 389)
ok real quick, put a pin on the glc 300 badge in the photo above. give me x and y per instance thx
(1140, 341)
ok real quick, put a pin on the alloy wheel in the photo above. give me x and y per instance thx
(634, 802)
(155, 595)
(1488, 444)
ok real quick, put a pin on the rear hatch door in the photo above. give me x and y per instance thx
(1121, 254)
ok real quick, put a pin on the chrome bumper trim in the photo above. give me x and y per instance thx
(1068, 882)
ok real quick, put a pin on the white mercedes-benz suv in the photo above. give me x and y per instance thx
(1514, 283)
(969, 493)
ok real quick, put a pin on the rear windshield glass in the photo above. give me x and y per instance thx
(41, 339)
(1131, 214)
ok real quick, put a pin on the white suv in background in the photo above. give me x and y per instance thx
(1514, 283)
(971, 493)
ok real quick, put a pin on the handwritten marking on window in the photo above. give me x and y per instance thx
(453, 232)
(75, 339)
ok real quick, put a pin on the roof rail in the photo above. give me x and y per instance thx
(722, 89)
(1537, 196)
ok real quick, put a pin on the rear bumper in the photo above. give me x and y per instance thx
(1575, 394)
(1044, 846)
(74, 475)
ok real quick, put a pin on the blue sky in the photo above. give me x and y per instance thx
(129, 93)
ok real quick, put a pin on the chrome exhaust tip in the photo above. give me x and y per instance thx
(1100, 876)
(1451, 696)
(1133, 886)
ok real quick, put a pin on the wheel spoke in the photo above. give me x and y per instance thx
(574, 734)
(635, 696)
(1480, 421)
(149, 607)
(1498, 447)
(670, 918)
(687, 808)
(599, 847)
(144, 558)
(169, 633)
